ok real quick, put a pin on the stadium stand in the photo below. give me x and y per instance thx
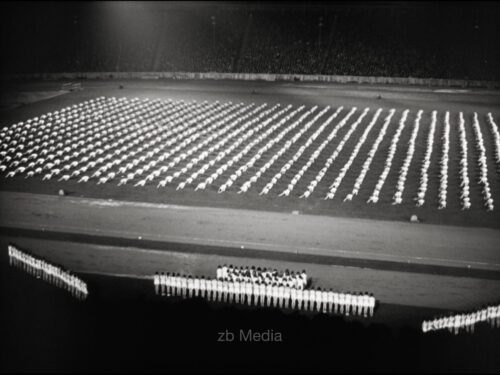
(456, 42)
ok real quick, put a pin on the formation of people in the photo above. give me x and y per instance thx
(198, 146)
(354, 154)
(260, 294)
(375, 196)
(464, 321)
(269, 144)
(366, 165)
(329, 161)
(46, 271)
(338, 180)
(295, 157)
(289, 279)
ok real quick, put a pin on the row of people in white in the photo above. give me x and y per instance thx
(375, 196)
(258, 294)
(262, 137)
(496, 137)
(467, 321)
(245, 186)
(443, 178)
(483, 167)
(290, 279)
(400, 187)
(296, 178)
(249, 164)
(48, 272)
(297, 155)
(336, 183)
(314, 183)
(371, 154)
(424, 169)
(464, 174)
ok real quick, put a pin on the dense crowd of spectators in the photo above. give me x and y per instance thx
(386, 41)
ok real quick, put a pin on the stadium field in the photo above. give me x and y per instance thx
(446, 245)
(347, 97)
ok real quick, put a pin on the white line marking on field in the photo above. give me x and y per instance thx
(128, 275)
(452, 91)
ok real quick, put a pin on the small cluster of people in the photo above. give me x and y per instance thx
(467, 321)
(264, 295)
(48, 272)
(288, 279)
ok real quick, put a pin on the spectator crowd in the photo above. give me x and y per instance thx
(385, 41)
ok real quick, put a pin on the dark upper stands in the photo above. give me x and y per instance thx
(437, 41)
